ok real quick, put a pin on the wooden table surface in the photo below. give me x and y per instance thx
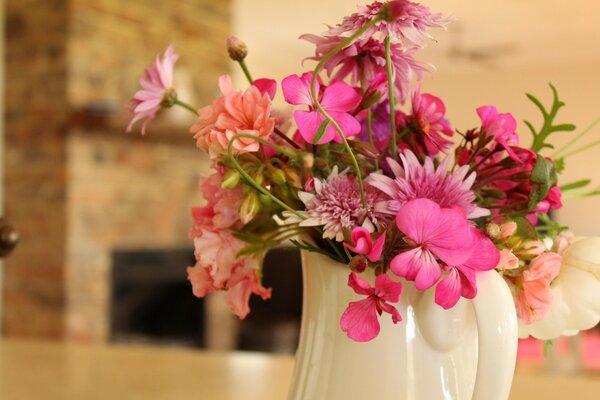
(59, 371)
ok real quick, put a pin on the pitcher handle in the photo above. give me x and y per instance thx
(498, 337)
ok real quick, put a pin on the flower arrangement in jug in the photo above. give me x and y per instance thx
(369, 171)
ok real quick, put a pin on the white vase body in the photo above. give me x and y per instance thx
(431, 354)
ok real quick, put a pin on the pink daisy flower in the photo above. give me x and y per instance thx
(415, 181)
(157, 91)
(337, 206)
(359, 320)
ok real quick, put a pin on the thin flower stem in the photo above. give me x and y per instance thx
(370, 132)
(185, 105)
(316, 102)
(246, 71)
(576, 139)
(579, 150)
(287, 139)
(252, 182)
(392, 100)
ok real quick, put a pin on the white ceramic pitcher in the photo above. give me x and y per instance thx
(468, 352)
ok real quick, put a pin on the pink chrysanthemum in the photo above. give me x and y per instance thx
(156, 86)
(415, 181)
(337, 205)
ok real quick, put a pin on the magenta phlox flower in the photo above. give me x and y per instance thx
(360, 319)
(460, 280)
(428, 118)
(501, 127)
(337, 99)
(362, 243)
(415, 181)
(437, 236)
(156, 83)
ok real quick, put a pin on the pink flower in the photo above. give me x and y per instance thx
(363, 244)
(244, 282)
(415, 181)
(507, 260)
(234, 112)
(337, 99)
(265, 85)
(501, 127)
(428, 118)
(534, 299)
(337, 206)
(434, 233)
(156, 87)
(460, 280)
(359, 320)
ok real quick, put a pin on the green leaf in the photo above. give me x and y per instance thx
(547, 347)
(537, 103)
(525, 229)
(559, 165)
(320, 131)
(543, 177)
(563, 128)
(575, 185)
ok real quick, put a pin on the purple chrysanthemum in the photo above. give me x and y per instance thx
(337, 205)
(415, 181)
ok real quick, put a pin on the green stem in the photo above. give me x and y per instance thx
(186, 106)
(579, 150)
(572, 142)
(316, 102)
(370, 132)
(287, 139)
(390, 78)
(246, 71)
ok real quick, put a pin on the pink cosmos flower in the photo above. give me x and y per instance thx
(363, 244)
(156, 85)
(366, 60)
(337, 206)
(434, 233)
(501, 127)
(408, 23)
(234, 112)
(415, 181)
(460, 280)
(534, 299)
(359, 320)
(428, 117)
(338, 99)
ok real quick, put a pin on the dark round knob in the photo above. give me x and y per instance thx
(8, 238)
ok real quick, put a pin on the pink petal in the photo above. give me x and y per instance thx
(410, 263)
(390, 309)
(486, 113)
(359, 285)
(387, 289)
(296, 91)
(359, 320)
(348, 124)
(448, 291)
(428, 273)
(484, 255)
(361, 239)
(201, 281)
(377, 249)
(308, 124)
(268, 86)
(225, 84)
(341, 97)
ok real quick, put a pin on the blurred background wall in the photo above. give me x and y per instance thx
(79, 190)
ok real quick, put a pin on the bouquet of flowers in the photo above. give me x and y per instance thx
(369, 171)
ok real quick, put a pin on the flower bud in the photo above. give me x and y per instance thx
(231, 179)
(358, 263)
(265, 200)
(532, 248)
(507, 230)
(236, 48)
(278, 176)
(249, 208)
(308, 160)
(492, 230)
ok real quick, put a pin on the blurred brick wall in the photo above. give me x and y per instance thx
(63, 56)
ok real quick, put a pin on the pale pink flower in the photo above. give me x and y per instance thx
(234, 112)
(337, 99)
(507, 230)
(532, 248)
(360, 319)
(534, 297)
(244, 282)
(337, 206)
(460, 280)
(362, 243)
(415, 181)
(407, 23)
(507, 260)
(501, 127)
(156, 86)
(438, 236)
(428, 117)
